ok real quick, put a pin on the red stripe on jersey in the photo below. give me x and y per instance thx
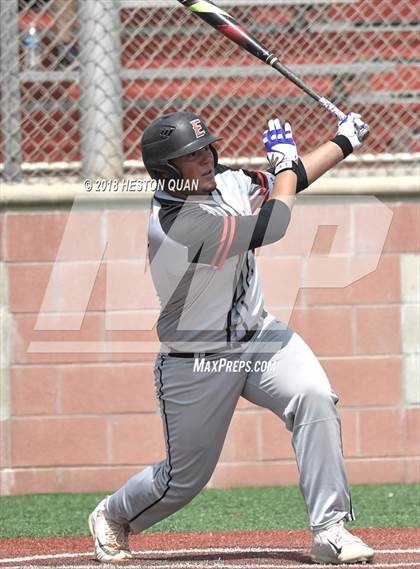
(261, 180)
(265, 185)
(222, 240)
(229, 244)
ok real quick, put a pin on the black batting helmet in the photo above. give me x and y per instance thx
(172, 136)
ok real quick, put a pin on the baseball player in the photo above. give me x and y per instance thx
(218, 342)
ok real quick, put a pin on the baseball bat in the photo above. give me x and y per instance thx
(229, 27)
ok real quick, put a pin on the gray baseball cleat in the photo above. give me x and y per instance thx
(110, 538)
(336, 545)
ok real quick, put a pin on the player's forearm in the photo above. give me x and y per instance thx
(269, 226)
(285, 188)
(321, 160)
(350, 134)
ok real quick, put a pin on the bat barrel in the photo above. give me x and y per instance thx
(229, 27)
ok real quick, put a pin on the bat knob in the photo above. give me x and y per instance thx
(362, 130)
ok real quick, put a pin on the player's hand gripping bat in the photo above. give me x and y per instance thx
(228, 26)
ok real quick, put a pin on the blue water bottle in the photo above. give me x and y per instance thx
(32, 48)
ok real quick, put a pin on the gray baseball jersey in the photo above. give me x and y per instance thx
(203, 267)
(205, 308)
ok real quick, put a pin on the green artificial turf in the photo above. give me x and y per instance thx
(391, 505)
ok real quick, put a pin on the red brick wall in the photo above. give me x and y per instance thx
(86, 420)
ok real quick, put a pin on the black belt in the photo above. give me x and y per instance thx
(248, 336)
(194, 354)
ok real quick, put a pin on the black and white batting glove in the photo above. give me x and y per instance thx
(281, 148)
(354, 129)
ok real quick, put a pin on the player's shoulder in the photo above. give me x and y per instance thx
(191, 215)
(227, 173)
(243, 175)
(222, 169)
(170, 204)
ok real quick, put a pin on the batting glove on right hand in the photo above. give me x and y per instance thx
(353, 128)
(280, 146)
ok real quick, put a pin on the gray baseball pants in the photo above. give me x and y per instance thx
(197, 407)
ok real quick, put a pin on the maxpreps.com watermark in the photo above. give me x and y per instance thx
(139, 185)
(203, 365)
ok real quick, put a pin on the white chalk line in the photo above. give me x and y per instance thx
(192, 551)
(218, 565)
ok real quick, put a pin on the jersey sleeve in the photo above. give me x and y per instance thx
(203, 234)
(260, 184)
(211, 239)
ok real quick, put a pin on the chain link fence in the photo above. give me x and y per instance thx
(81, 79)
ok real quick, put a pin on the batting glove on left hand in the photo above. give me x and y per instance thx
(280, 146)
(353, 128)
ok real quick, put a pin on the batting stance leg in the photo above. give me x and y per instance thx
(296, 389)
(196, 408)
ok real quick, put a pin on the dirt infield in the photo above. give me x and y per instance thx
(235, 550)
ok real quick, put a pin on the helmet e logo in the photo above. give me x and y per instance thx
(198, 128)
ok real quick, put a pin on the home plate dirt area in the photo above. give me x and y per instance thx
(233, 550)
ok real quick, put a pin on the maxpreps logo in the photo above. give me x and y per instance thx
(198, 128)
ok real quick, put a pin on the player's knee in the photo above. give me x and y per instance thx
(321, 395)
(312, 404)
(187, 489)
(318, 400)
(190, 478)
